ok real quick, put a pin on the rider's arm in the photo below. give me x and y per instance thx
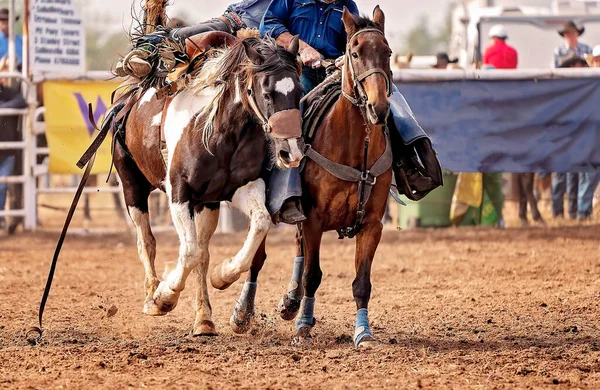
(276, 18)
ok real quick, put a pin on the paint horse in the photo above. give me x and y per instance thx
(345, 182)
(239, 114)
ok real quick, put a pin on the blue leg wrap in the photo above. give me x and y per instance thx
(295, 287)
(307, 318)
(362, 329)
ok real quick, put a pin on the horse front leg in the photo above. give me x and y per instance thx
(243, 311)
(290, 302)
(250, 199)
(206, 224)
(367, 241)
(168, 291)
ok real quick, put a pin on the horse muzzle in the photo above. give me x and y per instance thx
(378, 112)
(286, 129)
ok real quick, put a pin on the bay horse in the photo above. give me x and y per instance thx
(239, 114)
(352, 138)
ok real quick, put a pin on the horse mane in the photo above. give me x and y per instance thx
(363, 22)
(230, 69)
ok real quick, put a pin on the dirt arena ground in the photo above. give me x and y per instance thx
(453, 308)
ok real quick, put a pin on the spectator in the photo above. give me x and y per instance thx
(588, 181)
(571, 45)
(568, 182)
(4, 37)
(9, 132)
(595, 62)
(500, 55)
(524, 182)
(443, 60)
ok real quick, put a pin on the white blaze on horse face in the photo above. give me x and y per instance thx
(285, 86)
(295, 153)
(147, 96)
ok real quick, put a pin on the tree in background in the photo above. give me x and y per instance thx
(424, 39)
(103, 54)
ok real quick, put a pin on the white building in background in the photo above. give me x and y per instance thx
(531, 25)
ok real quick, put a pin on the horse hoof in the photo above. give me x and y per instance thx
(367, 342)
(241, 322)
(204, 328)
(217, 280)
(165, 299)
(288, 308)
(303, 337)
(151, 309)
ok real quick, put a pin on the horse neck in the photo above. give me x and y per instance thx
(345, 131)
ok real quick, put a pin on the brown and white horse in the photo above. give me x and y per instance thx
(356, 120)
(239, 115)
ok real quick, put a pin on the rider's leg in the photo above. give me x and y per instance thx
(137, 64)
(285, 187)
(423, 173)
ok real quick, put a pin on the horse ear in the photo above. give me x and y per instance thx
(252, 53)
(294, 46)
(349, 22)
(379, 18)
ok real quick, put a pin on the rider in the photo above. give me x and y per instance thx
(245, 14)
(321, 30)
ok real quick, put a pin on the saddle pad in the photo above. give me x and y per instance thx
(317, 103)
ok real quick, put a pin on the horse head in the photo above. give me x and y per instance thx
(273, 95)
(367, 72)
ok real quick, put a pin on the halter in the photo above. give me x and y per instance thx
(282, 124)
(360, 95)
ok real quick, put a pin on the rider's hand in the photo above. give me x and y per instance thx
(339, 62)
(310, 57)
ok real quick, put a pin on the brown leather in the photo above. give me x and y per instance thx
(198, 44)
(286, 124)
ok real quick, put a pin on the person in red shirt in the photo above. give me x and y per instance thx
(499, 55)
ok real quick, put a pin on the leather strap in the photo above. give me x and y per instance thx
(34, 333)
(347, 173)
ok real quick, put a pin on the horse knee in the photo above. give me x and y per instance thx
(261, 222)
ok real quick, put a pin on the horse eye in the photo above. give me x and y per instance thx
(355, 55)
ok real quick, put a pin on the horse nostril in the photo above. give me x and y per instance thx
(285, 155)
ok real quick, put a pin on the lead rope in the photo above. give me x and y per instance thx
(351, 231)
(34, 333)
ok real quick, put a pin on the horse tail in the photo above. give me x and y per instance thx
(155, 14)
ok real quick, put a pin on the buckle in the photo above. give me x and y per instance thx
(364, 176)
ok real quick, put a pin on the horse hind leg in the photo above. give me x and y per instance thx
(206, 224)
(136, 190)
(243, 311)
(290, 302)
(250, 199)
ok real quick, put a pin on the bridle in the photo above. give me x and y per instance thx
(360, 94)
(282, 124)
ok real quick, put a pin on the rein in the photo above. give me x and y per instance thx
(282, 124)
(360, 95)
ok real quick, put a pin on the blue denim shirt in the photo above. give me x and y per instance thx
(318, 24)
(251, 11)
(563, 50)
